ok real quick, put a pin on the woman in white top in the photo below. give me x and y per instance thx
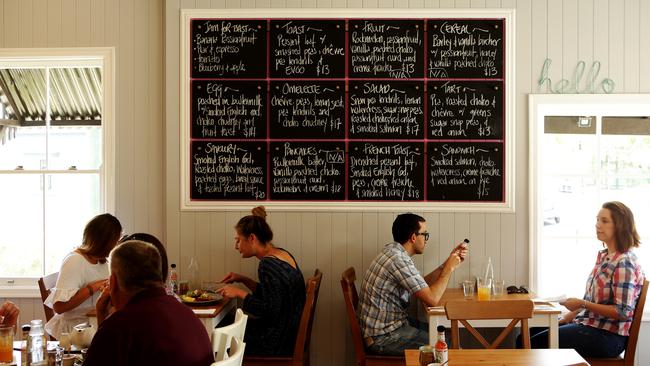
(83, 275)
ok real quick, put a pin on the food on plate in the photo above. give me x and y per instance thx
(196, 296)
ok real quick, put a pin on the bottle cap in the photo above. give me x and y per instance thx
(26, 327)
(441, 328)
(173, 265)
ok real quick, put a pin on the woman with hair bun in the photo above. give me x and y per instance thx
(275, 302)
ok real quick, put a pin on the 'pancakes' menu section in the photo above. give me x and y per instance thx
(347, 110)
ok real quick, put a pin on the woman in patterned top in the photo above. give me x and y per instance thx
(598, 325)
(276, 301)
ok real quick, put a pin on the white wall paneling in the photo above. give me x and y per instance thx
(146, 39)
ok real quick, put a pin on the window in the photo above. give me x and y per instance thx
(56, 156)
(584, 151)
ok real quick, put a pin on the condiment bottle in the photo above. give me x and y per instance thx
(24, 349)
(440, 350)
(172, 281)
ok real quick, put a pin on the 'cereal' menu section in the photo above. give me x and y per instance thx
(347, 110)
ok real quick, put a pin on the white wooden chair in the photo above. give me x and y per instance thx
(236, 354)
(222, 337)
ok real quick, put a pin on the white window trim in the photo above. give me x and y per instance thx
(540, 105)
(90, 56)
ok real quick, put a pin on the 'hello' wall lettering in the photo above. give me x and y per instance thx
(572, 86)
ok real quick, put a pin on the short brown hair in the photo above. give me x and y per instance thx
(100, 236)
(624, 227)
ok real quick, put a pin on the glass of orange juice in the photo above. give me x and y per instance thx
(484, 287)
(6, 343)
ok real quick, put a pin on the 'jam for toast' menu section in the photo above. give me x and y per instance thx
(347, 110)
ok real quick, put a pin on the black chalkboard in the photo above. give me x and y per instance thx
(465, 48)
(307, 109)
(465, 109)
(228, 170)
(224, 48)
(465, 171)
(228, 109)
(347, 109)
(307, 48)
(386, 109)
(382, 48)
(307, 171)
(386, 171)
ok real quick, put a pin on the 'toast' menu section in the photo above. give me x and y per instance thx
(347, 109)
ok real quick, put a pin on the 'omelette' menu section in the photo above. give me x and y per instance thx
(347, 110)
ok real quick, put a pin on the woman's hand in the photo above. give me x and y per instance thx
(103, 305)
(10, 312)
(98, 285)
(573, 303)
(231, 292)
(232, 277)
(567, 318)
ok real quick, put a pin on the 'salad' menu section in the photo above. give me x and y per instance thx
(347, 109)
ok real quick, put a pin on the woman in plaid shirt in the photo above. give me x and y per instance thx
(598, 325)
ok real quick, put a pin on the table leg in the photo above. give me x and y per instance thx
(433, 324)
(553, 334)
(211, 323)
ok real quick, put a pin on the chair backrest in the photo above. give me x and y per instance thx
(462, 310)
(301, 350)
(351, 297)
(630, 349)
(236, 354)
(45, 284)
(222, 337)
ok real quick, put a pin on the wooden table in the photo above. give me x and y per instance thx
(209, 315)
(509, 357)
(545, 314)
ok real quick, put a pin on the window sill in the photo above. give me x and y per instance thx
(19, 291)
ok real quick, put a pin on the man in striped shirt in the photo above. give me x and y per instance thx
(389, 283)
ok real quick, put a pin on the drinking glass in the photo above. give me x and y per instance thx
(484, 288)
(468, 288)
(6, 344)
(498, 287)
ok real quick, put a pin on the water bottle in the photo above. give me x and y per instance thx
(37, 351)
(489, 274)
(172, 280)
(193, 274)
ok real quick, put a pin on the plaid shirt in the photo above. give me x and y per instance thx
(386, 289)
(615, 280)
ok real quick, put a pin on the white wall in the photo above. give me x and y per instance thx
(145, 34)
(135, 29)
(565, 31)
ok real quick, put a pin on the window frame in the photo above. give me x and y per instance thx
(103, 57)
(541, 105)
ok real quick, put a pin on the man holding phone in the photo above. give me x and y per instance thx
(389, 283)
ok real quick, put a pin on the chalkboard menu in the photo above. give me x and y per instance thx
(347, 109)
(460, 171)
(465, 109)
